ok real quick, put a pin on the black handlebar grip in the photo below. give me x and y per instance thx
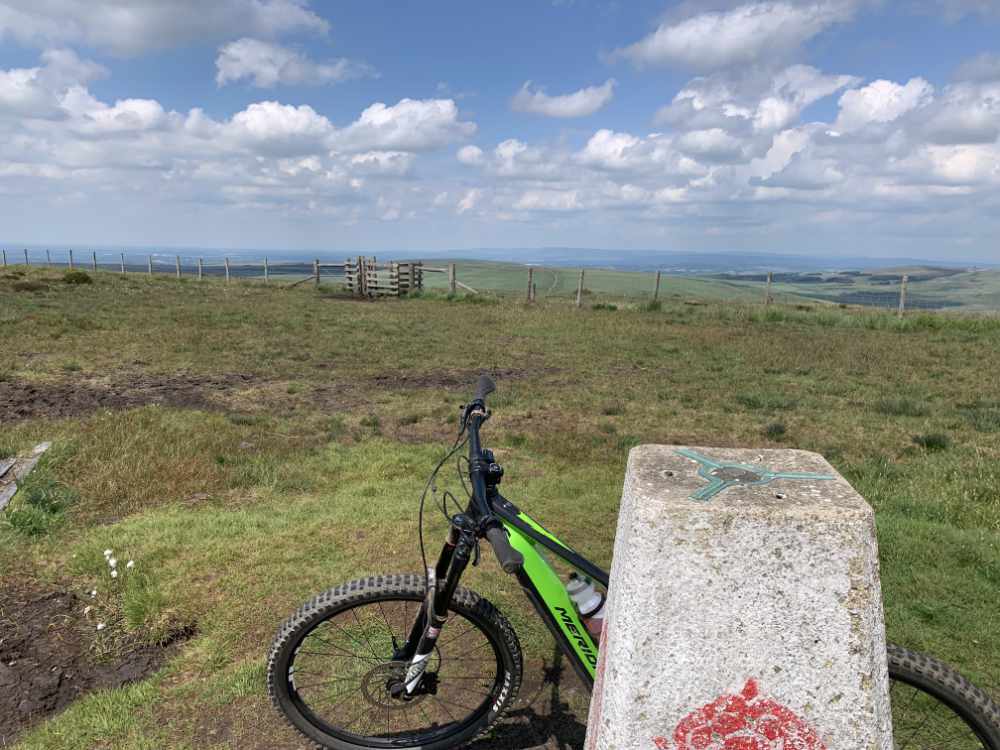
(510, 559)
(484, 387)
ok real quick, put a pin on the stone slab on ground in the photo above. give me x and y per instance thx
(745, 609)
(16, 470)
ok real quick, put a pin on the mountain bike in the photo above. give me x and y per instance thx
(417, 661)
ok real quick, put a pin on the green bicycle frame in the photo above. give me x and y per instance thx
(546, 590)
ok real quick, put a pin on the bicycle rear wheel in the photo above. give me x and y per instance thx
(331, 670)
(934, 707)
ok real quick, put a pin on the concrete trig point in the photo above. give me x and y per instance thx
(745, 609)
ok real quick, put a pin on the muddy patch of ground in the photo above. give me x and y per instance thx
(444, 378)
(45, 656)
(23, 399)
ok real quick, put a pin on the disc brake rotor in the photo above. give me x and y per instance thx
(375, 686)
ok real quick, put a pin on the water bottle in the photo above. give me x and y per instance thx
(589, 602)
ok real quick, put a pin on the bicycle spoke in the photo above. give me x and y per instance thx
(352, 697)
(392, 633)
(299, 688)
(453, 703)
(338, 648)
(451, 640)
(363, 633)
(438, 700)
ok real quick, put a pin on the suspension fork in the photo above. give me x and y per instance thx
(454, 558)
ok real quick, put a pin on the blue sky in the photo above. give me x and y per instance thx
(799, 126)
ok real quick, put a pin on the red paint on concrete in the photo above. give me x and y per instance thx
(746, 721)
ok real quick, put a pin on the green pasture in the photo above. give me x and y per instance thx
(306, 423)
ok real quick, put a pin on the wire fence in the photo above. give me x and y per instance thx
(366, 276)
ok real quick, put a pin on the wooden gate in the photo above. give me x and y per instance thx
(366, 277)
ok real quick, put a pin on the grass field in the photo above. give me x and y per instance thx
(249, 446)
(968, 291)
(606, 284)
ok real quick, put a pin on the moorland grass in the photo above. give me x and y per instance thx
(308, 473)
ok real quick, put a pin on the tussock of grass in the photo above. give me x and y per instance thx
(933, 441)
(762, 401)
(77, 277)
(984, 416)
(775, 430)
(40, 503)
(903, 406)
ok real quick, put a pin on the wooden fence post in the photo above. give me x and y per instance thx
(26, 261)
(201, 271)
(767, 290)
(452, 287)
(902, 295)
(266, 274)
(123, 264)
(177, 265)
(93, 258)
(48, 259)
(656, 292)
(316, 271)
(579, 290)
(227, 270)
(531, 283)
(4, 258)
(149, 265)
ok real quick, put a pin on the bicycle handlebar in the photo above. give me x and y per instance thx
(510, 559)
(484, 388)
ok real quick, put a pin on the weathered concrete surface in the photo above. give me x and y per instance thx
(745, 611)
(13, 471)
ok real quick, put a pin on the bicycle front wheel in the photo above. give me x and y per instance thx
(935, 708)
(331, 670)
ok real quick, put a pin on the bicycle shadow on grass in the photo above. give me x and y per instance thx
(551, 712)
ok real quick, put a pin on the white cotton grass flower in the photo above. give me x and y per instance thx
(108, 553)
(101, 626)
(130, 564)
(114, 573)
(93, 594)
(112, 562)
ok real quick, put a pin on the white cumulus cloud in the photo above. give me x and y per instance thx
(743, 35)
(409, 125)
(471, 155)
(469, 200)
(130, 27)
(549, 200)
(280, 127)
(38, 91)
(879, 102)
(267, 64)
(763, 103)
(580, 103)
